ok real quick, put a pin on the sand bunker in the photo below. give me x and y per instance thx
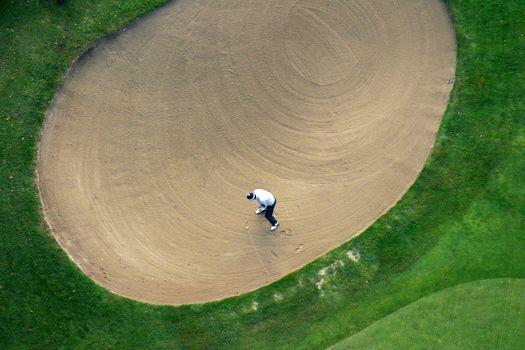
(156, 136)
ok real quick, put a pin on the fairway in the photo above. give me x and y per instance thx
(157, 134)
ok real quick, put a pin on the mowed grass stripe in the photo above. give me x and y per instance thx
(462, 220)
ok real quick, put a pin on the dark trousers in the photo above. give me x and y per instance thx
(268, 214)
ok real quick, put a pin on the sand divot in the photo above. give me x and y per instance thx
(157, 134)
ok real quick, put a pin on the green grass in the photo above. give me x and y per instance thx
(463, 220)
(487, 314)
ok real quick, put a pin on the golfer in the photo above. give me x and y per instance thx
(267, 203)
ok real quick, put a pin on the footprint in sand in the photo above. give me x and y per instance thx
(285, 232)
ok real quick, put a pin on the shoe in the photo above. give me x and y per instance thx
(274, 226)
(260, 211)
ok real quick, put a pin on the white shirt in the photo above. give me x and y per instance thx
(264, 197)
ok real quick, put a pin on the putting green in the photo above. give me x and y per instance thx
(485, 314)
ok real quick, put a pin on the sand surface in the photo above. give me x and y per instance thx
(157, 134)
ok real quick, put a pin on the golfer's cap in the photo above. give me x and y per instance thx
(250, 196)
